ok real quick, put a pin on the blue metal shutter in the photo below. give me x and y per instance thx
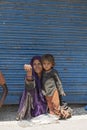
(36, 27)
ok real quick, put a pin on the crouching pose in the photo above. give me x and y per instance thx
(52, 88)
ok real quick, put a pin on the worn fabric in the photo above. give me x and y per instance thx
(37, 106)
(29, 85)
(26, 108)
(55, 108)
(53, 103)
(51, 81)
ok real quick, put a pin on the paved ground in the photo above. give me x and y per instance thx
(77, 122)
(74, 123)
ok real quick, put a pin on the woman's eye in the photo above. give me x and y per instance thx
(39, 64)
(36, 64)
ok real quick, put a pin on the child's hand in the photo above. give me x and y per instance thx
(63, 94)
(27, 67)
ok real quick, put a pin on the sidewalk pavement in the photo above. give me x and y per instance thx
(75, 123)
(8, 114)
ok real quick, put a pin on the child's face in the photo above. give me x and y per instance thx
(47, 65)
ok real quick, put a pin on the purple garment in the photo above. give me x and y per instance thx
(39, 102)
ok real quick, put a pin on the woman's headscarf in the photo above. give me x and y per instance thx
(31, 62)
(37, 79)
(39, 100)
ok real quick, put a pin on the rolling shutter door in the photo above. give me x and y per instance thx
(29, 28)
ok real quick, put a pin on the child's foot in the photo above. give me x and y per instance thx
(52, 113)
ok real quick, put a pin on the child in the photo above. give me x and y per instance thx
(48, 64)
(52, 86)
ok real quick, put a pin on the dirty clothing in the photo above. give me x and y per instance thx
(51, 82)
(55, 108)
(32, 102)
(53, 103)
(52, 89)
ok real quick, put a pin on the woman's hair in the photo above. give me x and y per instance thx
(35, 58)
(31, 63)
(49, 58)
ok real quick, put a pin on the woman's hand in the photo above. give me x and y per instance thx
(28, 69)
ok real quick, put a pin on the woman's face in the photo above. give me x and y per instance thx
(37, 67)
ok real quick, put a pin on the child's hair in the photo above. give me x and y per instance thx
(49, 58)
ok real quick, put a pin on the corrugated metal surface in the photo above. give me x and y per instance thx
(35, 27)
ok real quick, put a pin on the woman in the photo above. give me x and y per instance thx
(32, 102)
(4, 87)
